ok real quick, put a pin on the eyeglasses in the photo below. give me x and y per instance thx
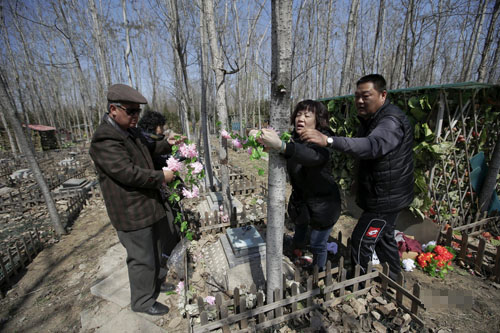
(130, 111)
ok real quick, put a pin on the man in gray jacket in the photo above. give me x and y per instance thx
(130, 187)
(384, 149)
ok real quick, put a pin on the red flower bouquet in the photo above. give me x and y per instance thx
(437, 260)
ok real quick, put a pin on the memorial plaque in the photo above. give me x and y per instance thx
(245, 240)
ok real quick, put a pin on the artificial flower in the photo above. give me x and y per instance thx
(188, 151)
(197, 167)
(173, 164)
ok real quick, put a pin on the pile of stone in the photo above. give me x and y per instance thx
(370, 312)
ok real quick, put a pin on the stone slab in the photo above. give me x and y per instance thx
(93, 318)
(233, 260)
(245, 240)
(214, 200)
(115, 288)
(127, 321)
(74, 182)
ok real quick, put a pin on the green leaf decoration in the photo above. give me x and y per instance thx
(418, 113)
(261, 172)
(413, 102)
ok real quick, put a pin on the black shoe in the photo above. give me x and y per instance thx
(157, 309)
(165, 286)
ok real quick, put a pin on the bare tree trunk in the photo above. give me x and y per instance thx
(496, 61)
(203, 107)
(487, 43)
(101, 48)
(379, 35)
(12, 143)
(281, 41)
(471, 51)
(397, 70)
(128, 50)
(30, 156)
(490, 182)
(430, 76)
(347, 75)
(220, 72)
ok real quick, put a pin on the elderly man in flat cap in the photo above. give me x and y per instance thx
(130, 187)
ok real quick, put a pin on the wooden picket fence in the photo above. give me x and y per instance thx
(235, 316)
(16, 255)
(479, 251)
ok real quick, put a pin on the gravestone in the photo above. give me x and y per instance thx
(239, 258)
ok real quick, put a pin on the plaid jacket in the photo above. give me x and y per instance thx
(129, 183)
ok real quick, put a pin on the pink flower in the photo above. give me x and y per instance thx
(197, 167)
(249, 150)
(180, 287)
(224, 218)
(173, 164)
(188, 151)
(194, 193)
(237, 143)
(210, 300)
(225, 134)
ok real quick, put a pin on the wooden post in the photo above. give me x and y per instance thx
(341, 268)
(26, 249)
(416, 293)
(328, 280)
(369, 269)
(399, 294)
(21, 260)
(260, 302)
(497, 265)
(236, 300)
(4, 270)
(463, 246)
(480, 255)
(357, 270)
(278, 312)
(449, 236)
(295, 292)
(243, 308)
(343, 276)
(218, 304)
(11, 260)
(385, 270)
(315, 275)
(309, 288)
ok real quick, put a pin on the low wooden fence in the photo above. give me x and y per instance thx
(16, 255)
(472, 252)
(235, 316)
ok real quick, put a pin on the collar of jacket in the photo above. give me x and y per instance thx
(113, 123)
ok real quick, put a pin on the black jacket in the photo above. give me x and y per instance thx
(385, 183)
(315, 197)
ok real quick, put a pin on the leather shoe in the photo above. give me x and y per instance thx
(165, 286)
(157, 309)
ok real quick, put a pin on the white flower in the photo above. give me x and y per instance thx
(408, 265)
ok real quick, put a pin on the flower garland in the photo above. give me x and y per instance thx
(184, 162)
(436, 260)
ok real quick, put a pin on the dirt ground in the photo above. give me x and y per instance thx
(55, 288)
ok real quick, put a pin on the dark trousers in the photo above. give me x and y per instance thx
(375, 232)
(143, 261)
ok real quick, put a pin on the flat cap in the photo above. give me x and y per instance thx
(123, 93)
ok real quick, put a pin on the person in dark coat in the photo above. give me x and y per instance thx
(315, 200)
(130, 187)
(152, 125)
(384, 149)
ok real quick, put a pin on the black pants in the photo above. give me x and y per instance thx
(375, 232)
(143, 261)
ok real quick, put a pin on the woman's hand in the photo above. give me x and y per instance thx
(270, 139)
(173, 141)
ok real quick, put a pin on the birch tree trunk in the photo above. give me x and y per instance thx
(220, 101)
(347, 75)
(30, 156)
(487, 43)
(281, 62)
